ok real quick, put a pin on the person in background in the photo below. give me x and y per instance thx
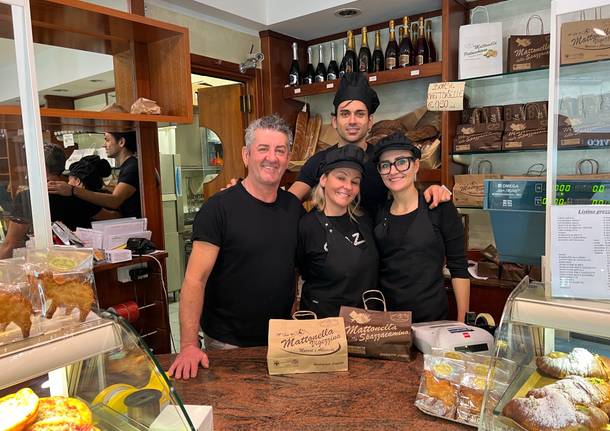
(69, 210)
(414, 241)
(241, 271)
(125, 196)
(336, 254)
(354, 105)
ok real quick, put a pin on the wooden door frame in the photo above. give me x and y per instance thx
(252, 79)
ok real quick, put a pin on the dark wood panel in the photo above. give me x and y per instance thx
(485, 297)
(379, 78)
(278, 52)
(454, 15)
(373, 27)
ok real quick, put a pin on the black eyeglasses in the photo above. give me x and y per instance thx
(401, 164)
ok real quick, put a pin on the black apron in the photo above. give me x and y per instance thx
(347, 272)
(411, 266)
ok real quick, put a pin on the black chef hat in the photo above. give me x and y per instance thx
(91, 170)
(396, 141)
(348, 156)
(354, 86)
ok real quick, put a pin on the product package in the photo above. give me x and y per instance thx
(529, 51)
(378, 334)
(64, 278)
(307, 346)
(19, 305)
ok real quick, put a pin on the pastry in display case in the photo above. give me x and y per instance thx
(561, 348)
(96, 375)
(66, 365)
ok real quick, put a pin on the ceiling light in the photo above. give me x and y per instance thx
(347, 12)
(95, 81)
(599, 31)
(60, 90)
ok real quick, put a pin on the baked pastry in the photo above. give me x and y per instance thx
(554, 412)
(18, 410)
(62, 413)
(579, 362)
(14, 307)
(439, 395)
(68, 290)
(589, 391)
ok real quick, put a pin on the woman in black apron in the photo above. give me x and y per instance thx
(414, 241)
(336, 252)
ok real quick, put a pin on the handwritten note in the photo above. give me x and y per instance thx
(446, 96)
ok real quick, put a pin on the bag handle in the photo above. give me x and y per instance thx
(303, 315)
(536, 170)
(592, 163)
(379, 298)
(478, 9)
(476, 167)
(534, 17)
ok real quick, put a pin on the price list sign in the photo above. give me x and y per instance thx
(580, 251)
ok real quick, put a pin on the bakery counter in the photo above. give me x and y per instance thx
(372, 395)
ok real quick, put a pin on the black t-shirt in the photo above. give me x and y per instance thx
(253, 279)
(373, 193)
(128, 174)
(71, 211)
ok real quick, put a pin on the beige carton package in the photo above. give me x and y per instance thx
(307, 346)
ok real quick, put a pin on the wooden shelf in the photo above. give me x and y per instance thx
(54, 116)
(385, 77)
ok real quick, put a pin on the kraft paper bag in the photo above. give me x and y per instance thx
(307, 346)
(468, 190)
(378, 334)
(480, 51)
(585, 40)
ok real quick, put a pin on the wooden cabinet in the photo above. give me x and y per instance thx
(154, 52)
(149, 293)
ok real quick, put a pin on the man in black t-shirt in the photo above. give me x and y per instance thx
(241, 270)
(355, 103)
(126, 194)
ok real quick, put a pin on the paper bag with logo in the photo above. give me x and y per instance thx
(585, 40)
(306, 346)
(480, 48)
(468, 190)
(377, 334)
(529, 51)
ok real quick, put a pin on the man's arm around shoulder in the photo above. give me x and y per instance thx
(200, 264)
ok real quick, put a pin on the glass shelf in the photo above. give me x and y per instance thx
(507, 78)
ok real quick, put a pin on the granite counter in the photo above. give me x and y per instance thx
(373, 395)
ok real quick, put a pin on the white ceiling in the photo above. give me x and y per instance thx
(304, 20)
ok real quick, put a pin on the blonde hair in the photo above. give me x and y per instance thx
(319, 202)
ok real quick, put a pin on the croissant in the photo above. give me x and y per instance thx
(554, 412)
(579, 390)
(579, 362)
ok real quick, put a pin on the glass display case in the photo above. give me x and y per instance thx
(532, 326)
(109, 375)
(560, 343)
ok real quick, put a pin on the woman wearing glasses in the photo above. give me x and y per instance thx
(414, 241)
(336, 252)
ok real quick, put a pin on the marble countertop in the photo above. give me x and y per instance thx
(372, 395)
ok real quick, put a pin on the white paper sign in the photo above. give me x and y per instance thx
(445, 96)
(580, 251)
(68, 140)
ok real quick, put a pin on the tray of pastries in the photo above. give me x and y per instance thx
(568, 391)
